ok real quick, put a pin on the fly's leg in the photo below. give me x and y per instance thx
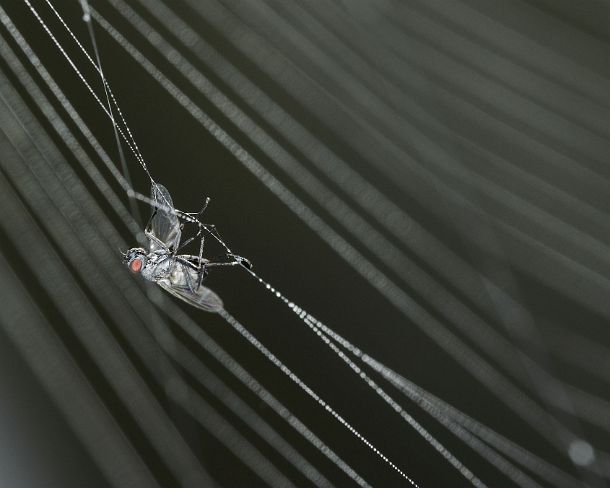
(188, 241)
(187, 275)
(189, 282)
(192, 218)
(155, 239)
(201, 266)
(235, 260)
(211, 229)
(149, 223)
(197, 214)
(213, 264)
(202, 270)
(245, 262)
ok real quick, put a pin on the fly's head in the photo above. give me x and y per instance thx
(135, 259)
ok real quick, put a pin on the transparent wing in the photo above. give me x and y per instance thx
(182, 283)
(164, 225)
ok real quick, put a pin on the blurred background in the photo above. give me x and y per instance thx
(427, 178)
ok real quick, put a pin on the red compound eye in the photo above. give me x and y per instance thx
(136, 265)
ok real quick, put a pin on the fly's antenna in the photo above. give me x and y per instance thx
(123, 253)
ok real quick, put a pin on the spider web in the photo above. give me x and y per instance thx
(478, 314)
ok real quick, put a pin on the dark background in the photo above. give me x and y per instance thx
(42, 449)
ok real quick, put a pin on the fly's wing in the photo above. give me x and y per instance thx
(204, 299)
(182, 283)
(164, 225)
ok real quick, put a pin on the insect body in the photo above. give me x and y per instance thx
(179, 274)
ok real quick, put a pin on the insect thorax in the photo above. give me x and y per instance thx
(159, 265)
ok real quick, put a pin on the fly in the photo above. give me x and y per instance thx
(181, 275)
